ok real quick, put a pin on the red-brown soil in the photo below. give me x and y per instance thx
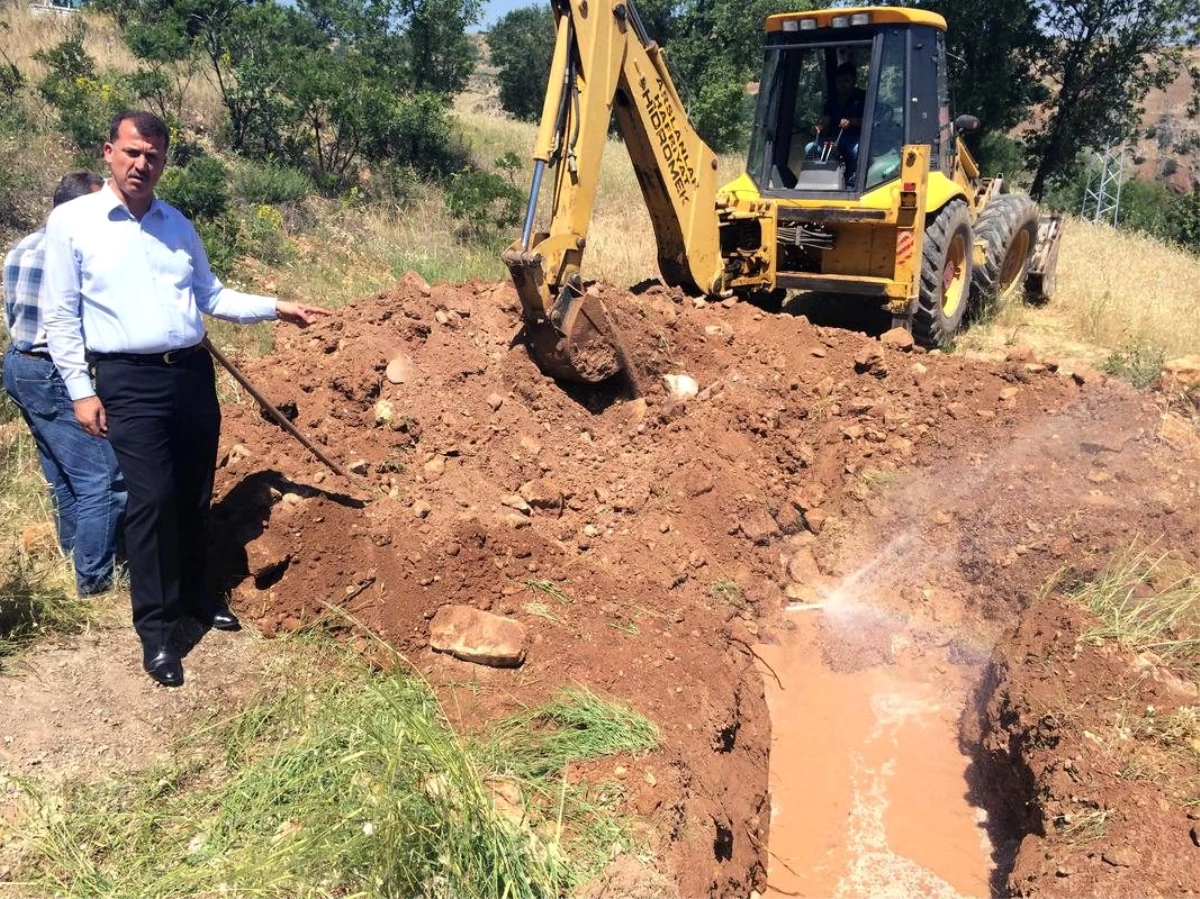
(677, 530)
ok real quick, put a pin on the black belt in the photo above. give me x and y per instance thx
(34, 354)
(170, 357)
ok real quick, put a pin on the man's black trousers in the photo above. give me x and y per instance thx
(163, 423)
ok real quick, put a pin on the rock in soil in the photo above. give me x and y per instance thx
(480, 637)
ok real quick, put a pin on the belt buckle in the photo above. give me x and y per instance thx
(172, 356)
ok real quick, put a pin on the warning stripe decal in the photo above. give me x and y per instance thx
(904, 246)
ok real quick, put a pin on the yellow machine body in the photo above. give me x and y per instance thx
(795, 219)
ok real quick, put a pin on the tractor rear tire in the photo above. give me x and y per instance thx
(1009, 226)
(945, 277)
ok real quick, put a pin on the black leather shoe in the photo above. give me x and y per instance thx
(225, 620)
(163, 665)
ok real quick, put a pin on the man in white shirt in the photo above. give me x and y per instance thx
(126, 280)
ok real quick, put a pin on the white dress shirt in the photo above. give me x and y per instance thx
(114, 284)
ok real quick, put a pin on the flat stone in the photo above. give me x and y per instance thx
(1178, 432)
(681, 387)
(399, 369)
(759, 526)
(1120, 857)
(802, 568)
(1180, 374)
(897, 339)
(515, 501)
(479, 637)
(414, 280)
(636, 410)
(698, 482)
(495, 401)
(815, 518)
(542, 493)
(871, 360)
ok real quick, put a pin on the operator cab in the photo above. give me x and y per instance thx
(842, 91)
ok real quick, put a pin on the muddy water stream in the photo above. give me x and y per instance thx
(869, 786)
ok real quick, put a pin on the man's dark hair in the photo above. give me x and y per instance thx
(76, 184)
(148, 125)
(846, 68)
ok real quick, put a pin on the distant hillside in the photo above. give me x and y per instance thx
(1169, 148)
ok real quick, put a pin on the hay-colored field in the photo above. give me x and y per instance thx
(1117, 291)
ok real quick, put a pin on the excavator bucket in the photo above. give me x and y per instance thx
(575, 346)
(1042, 273)
(572, 340)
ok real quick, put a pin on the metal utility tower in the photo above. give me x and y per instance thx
(1102, 196)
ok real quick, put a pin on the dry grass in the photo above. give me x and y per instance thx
(26, 34)
(621, 248)
(1147, 601)
(1118, 292)
(37, 584)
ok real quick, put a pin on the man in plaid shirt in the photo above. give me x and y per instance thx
(89, 495)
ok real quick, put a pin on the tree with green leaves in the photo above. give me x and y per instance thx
(993, 47)
(521, 45)
(714, 48)
(440, 56)
(1105, 56)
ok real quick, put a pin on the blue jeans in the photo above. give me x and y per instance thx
(89, 493)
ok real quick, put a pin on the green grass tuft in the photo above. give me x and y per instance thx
(1146, 603)
(576, 726)
(355, 787)
(34, 604)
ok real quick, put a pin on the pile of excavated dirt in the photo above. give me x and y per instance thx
(645, 537)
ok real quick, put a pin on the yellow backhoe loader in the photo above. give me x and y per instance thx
(856, 182)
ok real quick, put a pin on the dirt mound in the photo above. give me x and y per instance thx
(644, 539)
(1104, 789)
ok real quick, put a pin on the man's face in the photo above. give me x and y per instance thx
(845, 84)
(136, 163)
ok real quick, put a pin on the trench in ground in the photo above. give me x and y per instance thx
(873, 793)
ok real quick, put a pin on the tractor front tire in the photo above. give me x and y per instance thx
(945, 276)
(1009, 227)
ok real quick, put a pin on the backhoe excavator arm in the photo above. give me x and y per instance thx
(604, 64)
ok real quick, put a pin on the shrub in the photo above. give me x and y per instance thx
(222, 241)
(1000, 154)
(483, 202)
(416, 133)
(86, 100)
(200, 190)
(1139, 362)
(262, 235)
(269, 182)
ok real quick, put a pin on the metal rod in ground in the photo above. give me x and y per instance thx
(278, 417)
